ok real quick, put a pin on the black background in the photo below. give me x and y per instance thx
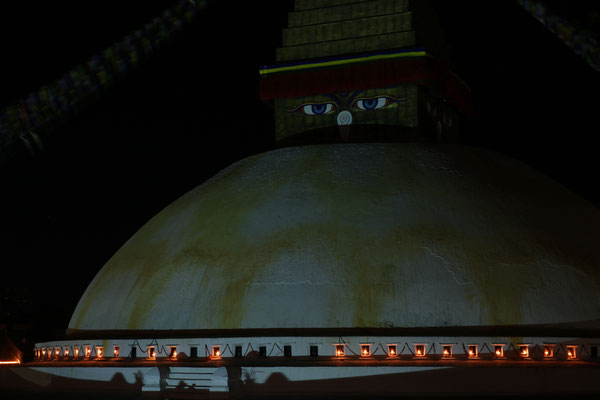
(193, 109)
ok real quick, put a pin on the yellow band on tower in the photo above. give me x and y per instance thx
(331, 63)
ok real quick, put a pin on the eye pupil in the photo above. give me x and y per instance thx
(370, 104)
(318, 108)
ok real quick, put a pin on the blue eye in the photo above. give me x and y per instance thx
(371, 104)
(317, 109)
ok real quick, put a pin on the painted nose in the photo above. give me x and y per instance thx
(344, 118)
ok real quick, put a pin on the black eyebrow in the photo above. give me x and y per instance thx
(333, 97)
(349, 97)
(354, 95)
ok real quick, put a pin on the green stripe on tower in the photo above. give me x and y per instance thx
(342, 61)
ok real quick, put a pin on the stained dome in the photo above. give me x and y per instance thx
(357, 235)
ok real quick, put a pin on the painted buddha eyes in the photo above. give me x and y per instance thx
(366, 104)
(373, 103)
(318, 109)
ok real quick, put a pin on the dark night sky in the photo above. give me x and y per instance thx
(193, 110)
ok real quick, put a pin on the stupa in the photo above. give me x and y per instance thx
(370, 255)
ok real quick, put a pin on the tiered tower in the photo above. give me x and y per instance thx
(354, 64)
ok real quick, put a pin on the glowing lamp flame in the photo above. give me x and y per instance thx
(218, 353)
(99, 353)
(570, 353)
(116, 352)
(524, 352)
(420, 350)
(76, 352)
(392, 351)
(446, 352)
(546, 353)
(498, 353)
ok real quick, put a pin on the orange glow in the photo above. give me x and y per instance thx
(571, 353)
(66, 352)
(365, 350)
(392, 350)
(99, 352)
(472, 351)
(499, 351)
(524, 351)
(420, 350)
(10, 362)
(76, 351)
(151, 353)
(116, 351)
(339, 350)
(43, 352)
(447, 351)
(216, 352)
(88, 351)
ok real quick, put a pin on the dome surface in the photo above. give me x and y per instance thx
(357, 235)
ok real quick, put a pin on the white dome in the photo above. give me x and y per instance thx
(357, 235)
